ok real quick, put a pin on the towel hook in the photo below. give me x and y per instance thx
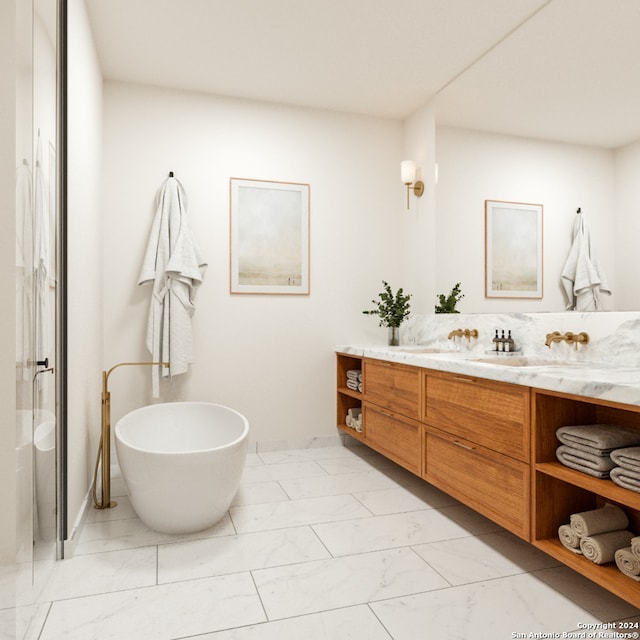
(171, 174)
(579, 210)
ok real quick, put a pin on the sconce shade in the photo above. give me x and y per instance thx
(408, 171)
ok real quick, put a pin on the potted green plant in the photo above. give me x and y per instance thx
(448, 303)
(392, 310)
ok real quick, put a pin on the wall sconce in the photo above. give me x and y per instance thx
(408, 174)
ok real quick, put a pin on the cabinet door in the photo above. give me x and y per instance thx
(493, 414)
(393, 386)
(493, 484)
(394, 436)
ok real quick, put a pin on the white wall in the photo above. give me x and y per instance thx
(270, 357)
(84, 255)
(627, 225)
(475, 166)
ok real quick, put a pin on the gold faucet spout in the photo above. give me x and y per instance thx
(556, 336)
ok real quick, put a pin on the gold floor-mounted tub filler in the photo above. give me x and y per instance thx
(104, 450)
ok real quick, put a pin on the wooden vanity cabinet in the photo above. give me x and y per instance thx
(476, 445)
(559, 491)
(492, 445)
(391, 409)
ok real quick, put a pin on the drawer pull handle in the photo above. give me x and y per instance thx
(464, 446)
(384, 413)
(461, 379)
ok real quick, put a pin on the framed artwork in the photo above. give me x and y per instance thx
(269, 237)
(513, 249)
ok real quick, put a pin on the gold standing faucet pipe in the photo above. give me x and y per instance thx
(104, 450)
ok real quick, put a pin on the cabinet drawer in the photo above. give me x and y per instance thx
(494, 485)
(393, 386)
(394, 436)
(493, 414)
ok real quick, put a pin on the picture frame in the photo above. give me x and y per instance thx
(269, 237)
(513, 249)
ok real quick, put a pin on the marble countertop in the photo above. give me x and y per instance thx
(605, 381)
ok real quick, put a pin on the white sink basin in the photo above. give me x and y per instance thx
(525, 361)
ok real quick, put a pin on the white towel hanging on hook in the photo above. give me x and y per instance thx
(583, 279)
(173, 265)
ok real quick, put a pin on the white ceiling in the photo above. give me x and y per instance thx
(556, 69)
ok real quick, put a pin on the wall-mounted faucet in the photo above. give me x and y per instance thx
(463, 333)
(569, 336)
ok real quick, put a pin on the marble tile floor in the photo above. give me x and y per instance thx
(333, 543)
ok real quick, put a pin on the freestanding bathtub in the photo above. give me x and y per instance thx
(182, 462)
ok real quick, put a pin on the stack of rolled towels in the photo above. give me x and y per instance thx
(354, 380)
(588, 448)
(597, 534)
(354, 418)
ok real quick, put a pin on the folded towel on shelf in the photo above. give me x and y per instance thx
(603, 437)
(602, 548)
(569, 538)
(597, 466)
(360, 387)
(354, 374)
(628, 457)
(626, 478)
(585, 458)
(635, 546)
(354, 385)
(591, 523)
(628, 563)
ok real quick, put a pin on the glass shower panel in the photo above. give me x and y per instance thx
(36, 123)
(44, 290)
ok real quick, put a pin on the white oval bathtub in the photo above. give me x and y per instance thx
(182, 462)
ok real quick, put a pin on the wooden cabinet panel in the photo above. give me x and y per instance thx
(493, 414)
(393, 386)
(393, 435)
(495, 485)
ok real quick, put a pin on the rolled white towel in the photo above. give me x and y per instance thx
(635, 546)
(569, 538)
(602, 548)
(628, 563)
(591, 523)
